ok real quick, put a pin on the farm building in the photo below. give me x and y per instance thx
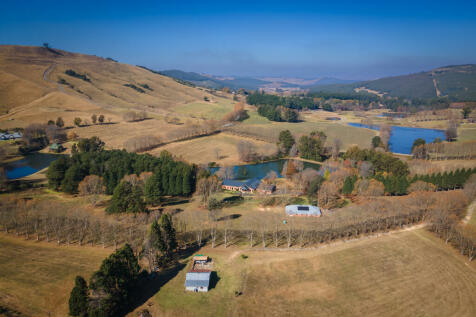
(266, 189)
(303, 210)
(247, 186)
(197, 281)
(10, 136)
(198, 278)
(56, 147)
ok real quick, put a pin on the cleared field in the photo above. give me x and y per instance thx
(206, 110)
(114, 135)
(404, 274)
(202, 150)
(36, 278)
(467, 132)
(270, 131)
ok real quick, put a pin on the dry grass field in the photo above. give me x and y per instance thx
(404, 274)
(36, 278)
(467, 132)
(202, 150)
(29, 91)
(114, 135)
(348, 135)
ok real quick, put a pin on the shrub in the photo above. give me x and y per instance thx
(72, 73)
(132, 116)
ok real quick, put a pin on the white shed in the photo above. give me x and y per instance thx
(303, 210)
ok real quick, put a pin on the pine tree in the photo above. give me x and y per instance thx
(348, 186)
(402, 185)
(186, 181)
(168, 232)
(152, 191)
(78, 299)
(444, 181)
(178, 182)
(157, 238)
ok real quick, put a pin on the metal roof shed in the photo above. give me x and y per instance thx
(197, 281)
(303, 210)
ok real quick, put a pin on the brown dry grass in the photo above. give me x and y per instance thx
(36, 278)
(405, 274)
(28, 97)
(202, 150)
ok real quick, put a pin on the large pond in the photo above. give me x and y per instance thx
(28, 165)
(260, 170)
(402, 138)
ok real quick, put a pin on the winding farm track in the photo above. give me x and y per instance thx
(47, 72)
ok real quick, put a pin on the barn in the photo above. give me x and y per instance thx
(303, 210)
(197, 281)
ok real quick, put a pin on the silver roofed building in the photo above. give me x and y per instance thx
(197, 281)
(303, 210)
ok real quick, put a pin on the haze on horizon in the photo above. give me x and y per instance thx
(347, 40)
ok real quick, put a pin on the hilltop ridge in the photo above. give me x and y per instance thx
(40, 83)
(457, 82)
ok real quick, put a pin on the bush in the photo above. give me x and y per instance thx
(72, 73)
(138, 89)
(132, 116)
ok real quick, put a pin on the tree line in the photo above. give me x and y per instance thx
(397, 185)
(113, 288)
(169, 177)
(382, 162)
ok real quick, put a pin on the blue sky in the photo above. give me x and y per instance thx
(345, 39)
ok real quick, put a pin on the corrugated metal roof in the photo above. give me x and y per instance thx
(302, 210)
(197, 279)
(251, 183)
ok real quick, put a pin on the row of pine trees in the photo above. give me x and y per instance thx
(399, 185)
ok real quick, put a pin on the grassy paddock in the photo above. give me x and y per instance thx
(202, 150)
(36, 278)
(270, 130)
(409, 273)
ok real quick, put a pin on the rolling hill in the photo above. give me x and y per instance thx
(457, 82)
(215, 82)
(251, 83)
(38, 84)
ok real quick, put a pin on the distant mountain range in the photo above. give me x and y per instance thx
(251, 83)
(457, 82)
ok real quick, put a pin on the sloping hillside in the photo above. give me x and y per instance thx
(216, 82)
(458, 82)
(40, 83)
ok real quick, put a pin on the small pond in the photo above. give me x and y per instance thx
(28, 165)
(260, 170)
(402, 138)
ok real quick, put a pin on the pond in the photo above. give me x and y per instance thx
(260, 170)
(28, 165)
(402, 138)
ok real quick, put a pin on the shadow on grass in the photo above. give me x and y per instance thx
(175, 202)
(214, 279)
(229, 217)
(232, 201)
(150, 284)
